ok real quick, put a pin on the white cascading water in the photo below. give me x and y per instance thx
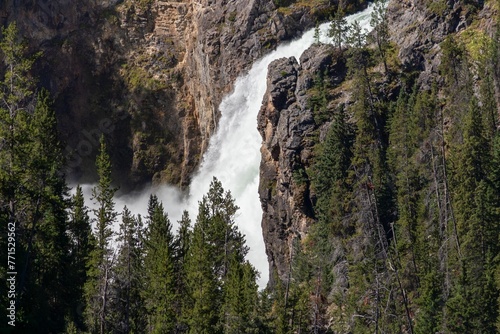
(233, 155)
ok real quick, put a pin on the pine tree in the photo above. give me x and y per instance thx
(371, 206)
(416, 235)
(493, 204)
(279, 323)
(182, 245)
(127, 309)
(16, 95)
(318, 99)
(32, 192)
(15, 89)
(220, 210)
(331, 172)
(317, 34)
(380, 31)
(339, 29)
(489, 106)
(82, 243)
(240, 299)
(97, 288)
(323, 241)
(216, 242)
(203, 285)
(356, 38)
(402, 146)
(474, 228)
(43, 204)
(430, 302)
(160, 290)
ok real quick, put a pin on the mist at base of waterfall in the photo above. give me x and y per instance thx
(233, 154)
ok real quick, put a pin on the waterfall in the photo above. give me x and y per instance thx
(233, 154)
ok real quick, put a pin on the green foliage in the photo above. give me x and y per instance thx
(32, 195)
(406, 196)
(102, 257)
(380, 31)
(356, 37)
(437, 7)
(232, 16)
(240, 299)
(318, 98)
(300, 176)
(283, 3)
(477, 43)
(430, 302)
(83, 242)
(127, 307)
(489, 106)
(103, 194)
(138, 79)
(160, 291)
(339, 29)
(317, 34)
(143, 4)
(330, 172)
(454, 57)
(474, 226)
(182, 244)
(216, 249)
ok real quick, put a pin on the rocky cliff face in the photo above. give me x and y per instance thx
(287, 123)
(289, 132)
(417, 27)
(150, 74)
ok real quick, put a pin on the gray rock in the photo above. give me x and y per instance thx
(285, 123)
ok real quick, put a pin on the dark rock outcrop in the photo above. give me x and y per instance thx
(289, 131)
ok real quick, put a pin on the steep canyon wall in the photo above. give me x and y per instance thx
(150, 74)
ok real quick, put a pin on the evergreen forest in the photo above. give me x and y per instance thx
(406, 204)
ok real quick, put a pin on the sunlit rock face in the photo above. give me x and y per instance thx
(418, 27)
(149, 74)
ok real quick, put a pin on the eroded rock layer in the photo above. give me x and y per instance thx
(149, 74)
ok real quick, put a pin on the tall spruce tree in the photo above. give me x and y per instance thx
(494, 210)
(14, 100)
(127, 307)
(43, 282)
(182, 245)
(330, 174)
(32, 193)
(473, 227)
(102, 258)
(368, 253)
(203, 285)
(240, 299)
(324, 239)
(160, 290)
(216, 242)
(82, 243)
